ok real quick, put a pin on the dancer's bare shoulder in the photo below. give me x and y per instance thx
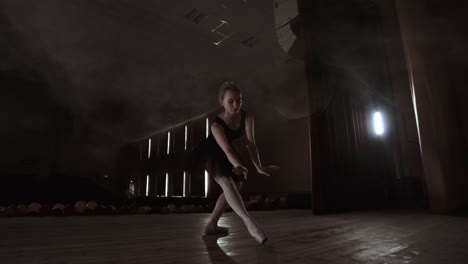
(217, 127)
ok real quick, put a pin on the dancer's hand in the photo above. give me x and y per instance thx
(268, 170)
(240, 170)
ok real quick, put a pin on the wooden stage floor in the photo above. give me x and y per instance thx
(296, 236)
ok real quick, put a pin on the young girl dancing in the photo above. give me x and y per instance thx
(224, 163)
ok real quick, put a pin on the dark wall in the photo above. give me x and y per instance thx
(349, 44)
(409, 171)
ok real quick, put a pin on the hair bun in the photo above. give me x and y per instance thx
(229, 83)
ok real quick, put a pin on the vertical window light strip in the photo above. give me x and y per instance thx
(206, 183)
(147, 185)
(207, 127)
(184, 185)
(168, 142)
(132, 188)
(149, 148)
(167, 184)
(185, 144)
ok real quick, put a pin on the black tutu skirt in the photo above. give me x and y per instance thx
(209, 156)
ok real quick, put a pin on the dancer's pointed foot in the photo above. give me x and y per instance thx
(260, 236)
(257, 233)
(212, 229)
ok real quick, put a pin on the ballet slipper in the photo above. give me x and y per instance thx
(257, 233)
(260, 236)
(212, 229)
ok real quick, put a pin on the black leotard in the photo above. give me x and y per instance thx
(210, 156)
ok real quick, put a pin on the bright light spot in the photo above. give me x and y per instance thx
(378, 123)
(131, 188)
(183, 187)
(149, 148)
(167, 184)
(185, 146)
(147, 185)
(206, 183)
(168, 142)
(207, 127)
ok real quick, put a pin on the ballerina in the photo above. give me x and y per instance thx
(225, 164)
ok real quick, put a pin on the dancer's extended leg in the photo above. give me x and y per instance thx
(220, 207)
(234, 199)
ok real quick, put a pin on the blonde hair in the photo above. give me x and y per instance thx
(228, 85)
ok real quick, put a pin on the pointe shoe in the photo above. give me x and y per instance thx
(260, 236)
(212, 229)
(257, 233)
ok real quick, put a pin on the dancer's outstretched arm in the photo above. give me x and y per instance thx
(251, 145)
(253, 150)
